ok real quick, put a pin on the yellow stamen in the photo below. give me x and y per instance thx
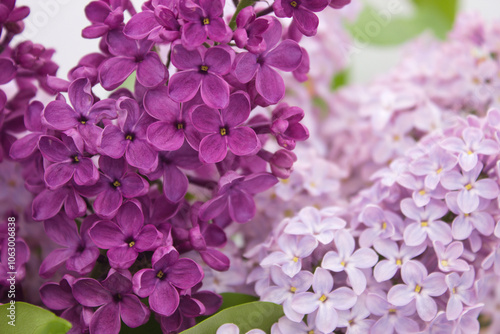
(384, 225)
(468, 186)
(285, 181)
(223, 131)
(180, 126)
(83, 122)
(75, 159)
(311, 331)
(206, 21)
(444, 263)
(322, 298)
(160, 274)
(204, 68)
(399, 262)
(469, 152)
(295, 259)
(342, 264)
(466, 214)
(439, 171)
(293, 4)
(396, 138)
(418, 288)
(288, 213)
(424, 223)
(293, 289)
(116, 184)
(421, 192)
(453, 290)
(131, 244)
(392, 310)
(128, 137)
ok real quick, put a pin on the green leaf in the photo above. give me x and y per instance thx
(246, 316)
(30, 319)
(242, 4)
(340, 79)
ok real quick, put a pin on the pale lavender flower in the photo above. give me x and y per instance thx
(311, 222)
(421, 194)
(470, 189)
(464, 223)
(434, 166)
(469, 146)
(424, 222)
(356, 320)
(393, 318)
(350, 261)
(380, 224)
(231, 328)
(468, 321)
(419, 286)
(461, 292)
(293, 250)
(324, 300)
(448, 259)
(395, 258)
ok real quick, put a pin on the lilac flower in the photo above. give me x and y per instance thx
(421, 194)
(69, 162)
(22, 256)
(286, 125)
(224, 130)
(286, 325)
(203, 237)
(302, 13)
(326, 301)
(175, 124)
(350, 261)
(448, 259)
(393, 318)
(84, 115)
(394, 257)
(433, 167)
(248, 33)
(79, 253)
(234, 194)
(104, 17)
(160, 25)
(115, 300)
(281, 163)
(202, 20)
(27, 145)
(286, 57)
(424, 222)
(380, 224)
(231, 328)
(293, 249)
(168, 273)
(356, 320)
(469, 146)
(311, 222)
(8, 70)
(461, 292)
(202, 70)
(470, 188)
(131, 55)
(130, 138)
(10, 15)
(463, 225)
(126, 237)
(285, 289)
(114, 184)
(419, 286)
(468, 321)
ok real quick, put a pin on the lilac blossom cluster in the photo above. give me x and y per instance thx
(136, 188)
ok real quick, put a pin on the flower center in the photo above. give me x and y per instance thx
(160, 274)
(180, 126)
(439, 171)
(129, 136)
(392, 310)
(384, 225)
(131, 244)
(205, 21)
(204, 68)
(294, 4)
(421, 192)
(223, 131)
(293, 289)
(424, 223)
(75, 159)
(454, 290)
(444, 263)
(116, 184)
(399, 262)
(295, 259)
(469, 152)
(418, 288)
(342, 264)
(322, 298)
(468, 186)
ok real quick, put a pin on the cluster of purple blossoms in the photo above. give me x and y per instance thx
(135, 189)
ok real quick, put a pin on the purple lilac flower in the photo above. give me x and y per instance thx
(68, 162)
(115, 300)
(201, 70)
(27, 145)
(8, 70)
(434, 166)
(324, 300)
(286, 125)
(234, 194)
(22, 256)
(286, 57)
(448, 259)
(469, 146)
(470, 189)
(419, 286)
(424, 222)
(126, 237)
(104, 17)
(224, 129)
(159, 25)
(311, 222)
(281, 163)
(350, 261)
(79, 253)
(131, 55)
(356, 319)
(168, 273)
(421, 194)
(285, 289)
(129, 138)
(249, 30)
(11, 15)
(461, 292)
(175, 122)
(302, 13)
(293, 249)
(394, 257)
(380, 224)
(203, 19)
(393, 318)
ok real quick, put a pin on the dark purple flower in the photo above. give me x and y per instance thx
(49, 202)
(175, 124)
(104, 17)
(11, 15)
(88, 68)
(286, 125)
(27, 145)
(203, 19)
(22, 256)
(129, 138)
(250, 30)
(201, 70)
(68, 162)
(79, 253)
(115, 300)
(125, 237)
(224, 130)
(168, 273)
(8, 69)
(235, 195)
(302, 13)
(131, 55)
(160, 25)
(286, 56)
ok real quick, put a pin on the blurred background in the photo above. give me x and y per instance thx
(58, 24)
